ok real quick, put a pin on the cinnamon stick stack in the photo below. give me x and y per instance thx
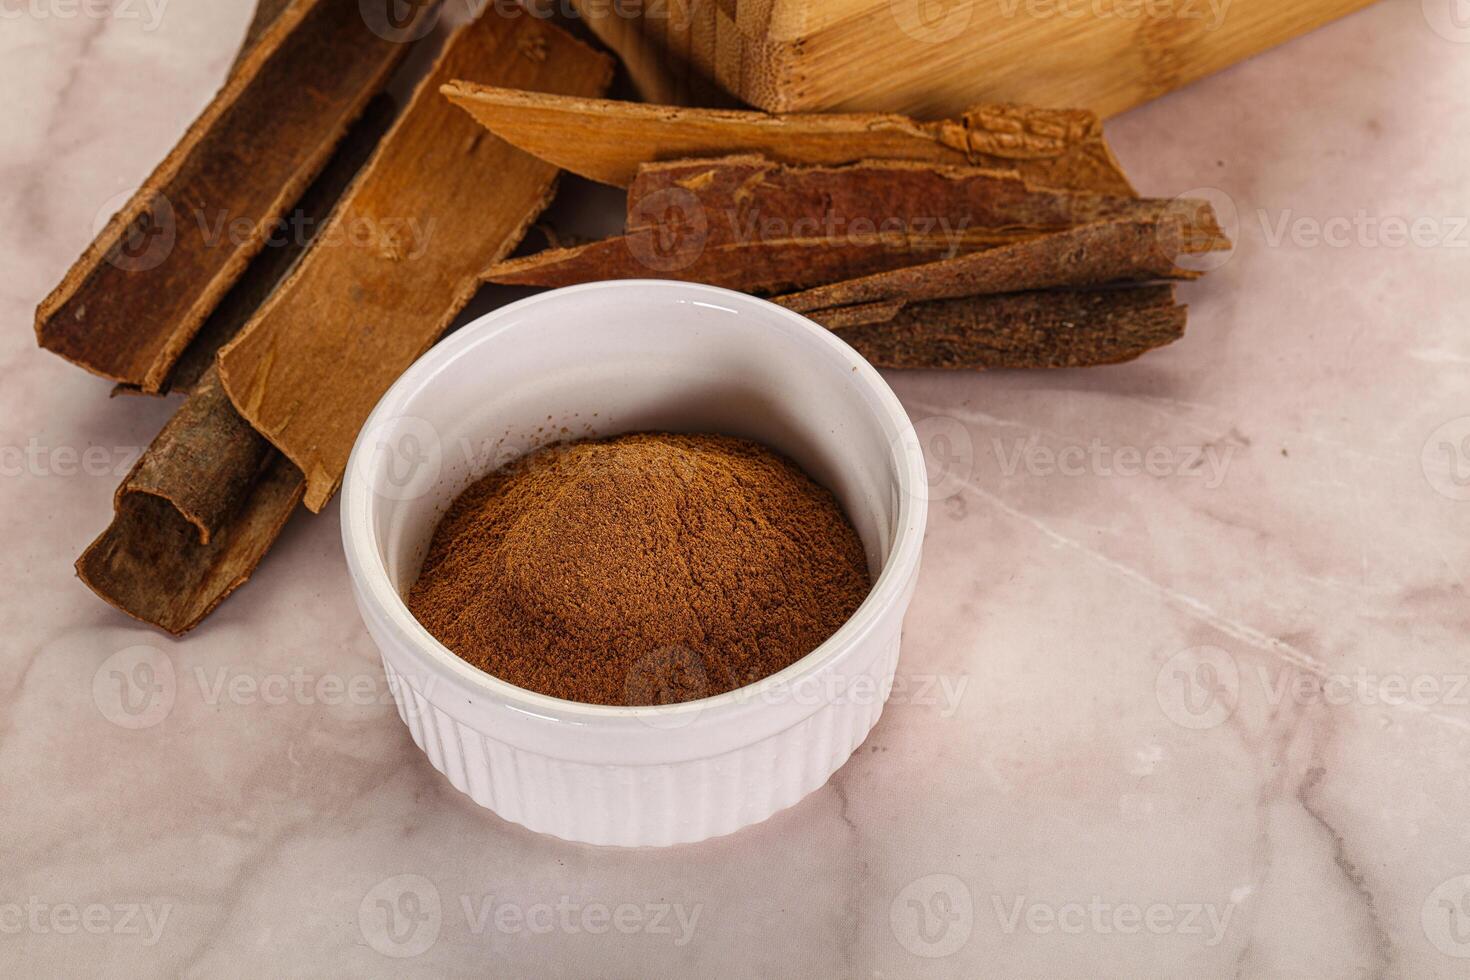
(1007, 237)
(140, 292)
(387, 260)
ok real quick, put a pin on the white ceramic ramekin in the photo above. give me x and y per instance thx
(601, 359)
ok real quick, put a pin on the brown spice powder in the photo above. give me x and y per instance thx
(643, 569)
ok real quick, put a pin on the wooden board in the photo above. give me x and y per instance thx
(934, 58)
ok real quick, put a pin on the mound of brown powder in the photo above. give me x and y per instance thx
(644, 569)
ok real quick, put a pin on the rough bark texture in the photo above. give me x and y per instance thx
(607, 140)
(1055, 329)
(140, 292)
(439, 202)
(750, 266)
(288, 243)
(748, 223)
(203, 461)
(744, 191)
(153, 564)
(840, 317)
(208, 466)
(1104, 252)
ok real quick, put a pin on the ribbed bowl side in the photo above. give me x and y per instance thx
(644, 805)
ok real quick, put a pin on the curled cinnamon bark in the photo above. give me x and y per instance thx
(289, 242)
(1103, 252)
(141, 290)
(749, 223)
(748, 190)
(439, 202)
(759, 266)
(194, 517)
(606, 140)
(1054, 329)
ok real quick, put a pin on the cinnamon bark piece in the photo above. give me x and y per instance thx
(750, 266)
(194, 517)
(741, 194)
(141, 290)
(749, 223)
(266, 12)
(606, 140)
(841, 317)
(1054, 329)
(203, 461)
(1103, 252)
(202, 506)
(208, 470)
(441, 200)
(151, 564)
(288, 241)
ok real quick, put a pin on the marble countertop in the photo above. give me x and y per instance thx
(1185, 688)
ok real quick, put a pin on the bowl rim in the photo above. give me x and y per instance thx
(370, 575)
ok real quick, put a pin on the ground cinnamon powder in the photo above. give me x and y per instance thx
(643, 569)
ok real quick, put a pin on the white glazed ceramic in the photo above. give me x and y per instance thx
(602, 359)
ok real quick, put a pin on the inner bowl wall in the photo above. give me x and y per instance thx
(621, 365)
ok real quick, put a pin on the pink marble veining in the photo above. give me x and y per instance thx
(1184, 682)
